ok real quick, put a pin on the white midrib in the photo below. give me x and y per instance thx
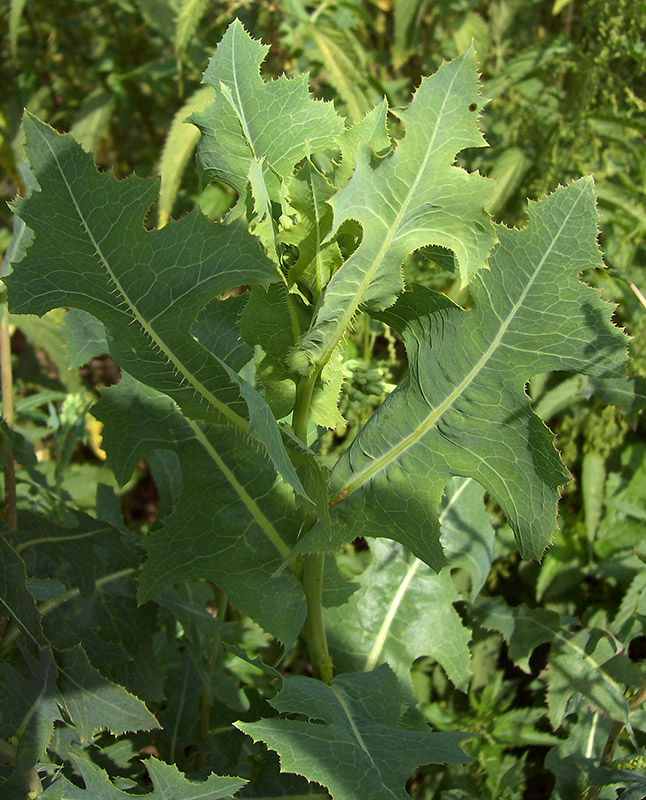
(384, 630)
(352, 307)
(252, 507)
(436, 413)
(199, 387)
(357, 733)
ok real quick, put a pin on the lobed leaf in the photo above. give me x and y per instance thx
(256, 132)
(411, 198)
(355, 740)
(463, 409)
(92, 252)
(234, 522)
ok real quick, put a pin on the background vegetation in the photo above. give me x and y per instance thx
(566, 82)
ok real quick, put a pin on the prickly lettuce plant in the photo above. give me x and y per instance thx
(229, 337)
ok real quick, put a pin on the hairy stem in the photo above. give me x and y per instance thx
(313, 565)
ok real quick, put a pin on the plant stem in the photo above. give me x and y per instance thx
(613, 737)
(314, 564)
(11, 517)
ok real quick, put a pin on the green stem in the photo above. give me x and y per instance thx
(617, 729)
(11, 514)
(313, 568)
(314, 564)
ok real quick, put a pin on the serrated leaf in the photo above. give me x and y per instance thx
(401, 612)
(308, 192)
(168, 784)
(21, 235)
(145, 287)
(358, 746)
(371, 129)
(16, 602)
(423, 199)
(254, 125)
(179, 146)
(94, 703)
(463, 409)
(233, 522)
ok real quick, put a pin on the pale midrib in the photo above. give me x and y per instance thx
(356, 731)
(250, 504)
(199, 387)
(588, 658)
(352, 307)
(52, 539)
(384, 630)
(434, 416)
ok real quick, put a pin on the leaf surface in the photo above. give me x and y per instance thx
(168, 784)
(257, 131)
(463, 409)
(361, 748)
(95, 703)
(233, 523)
(411, 198)
(401, 612)
(92, 252)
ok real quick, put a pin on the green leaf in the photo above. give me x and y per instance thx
(94, 703)
(85, 337)
(188, 19)
(308, 192)
(16, 602)
(91, 236)
(463, 409)
(179, 146)
(21, 235)
(93, 118)
(233, 523)
(339, 59)
(358, 745)
(149, 310)
(77, 554)
(589, 661)
(401, 612)
(371, 129)
(423, 199)
(257, 131)
(15, 13)
(168, 784)
(29, 708)
(467, 534)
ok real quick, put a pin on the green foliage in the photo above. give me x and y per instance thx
(286, 542)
